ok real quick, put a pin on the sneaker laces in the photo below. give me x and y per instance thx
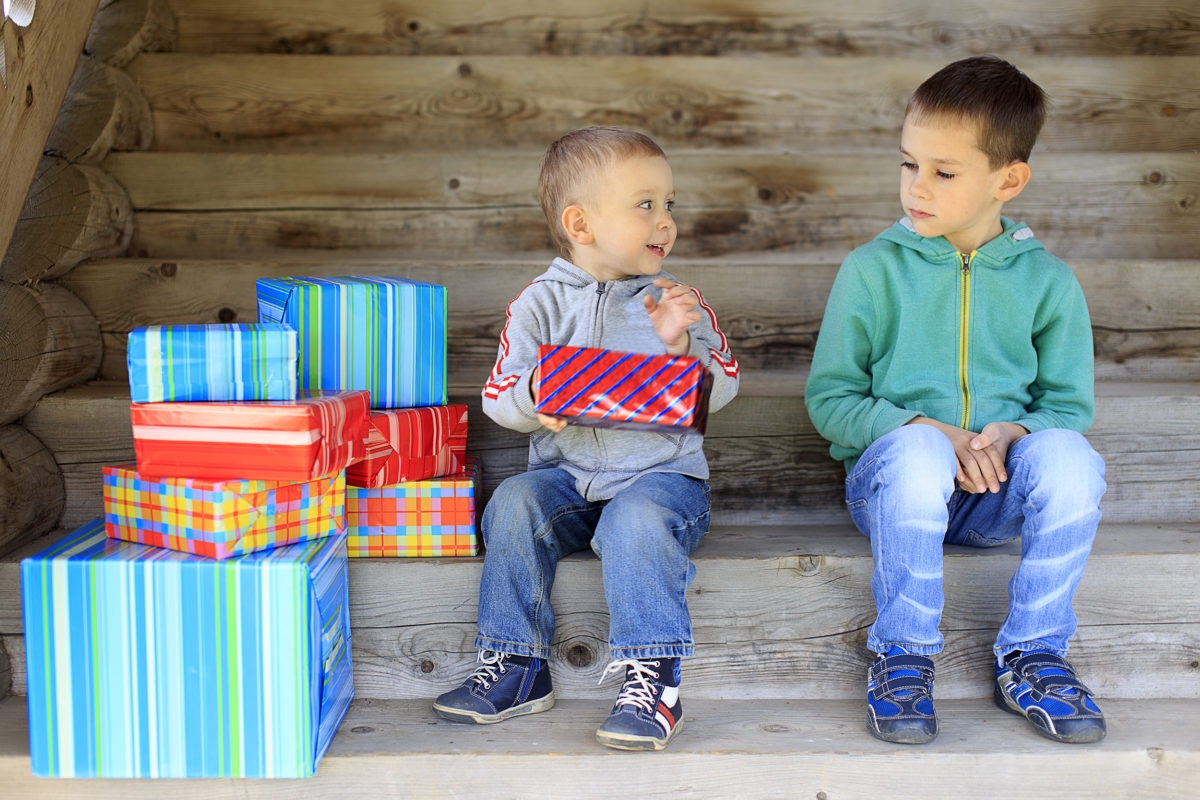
(491, 666)
(638, 690)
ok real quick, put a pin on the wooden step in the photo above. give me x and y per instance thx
(1145, 313)
(726, 749)
(652, 27)
(768, 464)
(785, 609)
(300, 103)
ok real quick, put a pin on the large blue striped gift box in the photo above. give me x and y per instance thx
(231, 361)
(147, 662)
(386, 335)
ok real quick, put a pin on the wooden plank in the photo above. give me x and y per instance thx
(785, 608)
(763, 748)
(41, 60)
(769, 466)
(731, 203)
(296, 103)
(31, 490)
(103, 111)
(699, 27)
(1145, 313)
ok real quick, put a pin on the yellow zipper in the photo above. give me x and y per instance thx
(964, 326)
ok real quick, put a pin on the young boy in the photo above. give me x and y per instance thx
(639, 499)
(953, 376)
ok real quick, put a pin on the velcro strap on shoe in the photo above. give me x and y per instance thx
(888, 664)
(1032, 667)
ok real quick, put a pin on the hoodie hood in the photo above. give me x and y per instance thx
(1017, 239)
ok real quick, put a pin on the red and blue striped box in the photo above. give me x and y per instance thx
(615, 389)
(220, 519)
(412, 444)
(385, 335)
(149, 663)
(211, 362)
(416, 519)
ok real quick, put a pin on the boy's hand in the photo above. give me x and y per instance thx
(672, 313)
(981, 456)
(555, 424)
(990, 451)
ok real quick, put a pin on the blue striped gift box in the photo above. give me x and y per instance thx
(231, 361)
(147, 662)
(386, 335)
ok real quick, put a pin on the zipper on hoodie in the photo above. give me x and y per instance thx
(964, 339)
(598, 314)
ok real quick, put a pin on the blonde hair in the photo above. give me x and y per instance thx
(578, 158)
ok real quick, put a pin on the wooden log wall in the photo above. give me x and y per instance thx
(73, 211)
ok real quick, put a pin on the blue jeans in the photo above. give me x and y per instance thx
(643, 536)
(902, 495)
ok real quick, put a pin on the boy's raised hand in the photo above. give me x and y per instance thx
(672, 313)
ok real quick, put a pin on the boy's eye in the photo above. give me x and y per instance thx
(907, 165)
(945, 175)
(646, 204)
(670, 205)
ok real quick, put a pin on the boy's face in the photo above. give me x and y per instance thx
(630, 229)
(947, 187)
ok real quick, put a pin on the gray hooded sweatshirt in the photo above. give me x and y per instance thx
(567, 306)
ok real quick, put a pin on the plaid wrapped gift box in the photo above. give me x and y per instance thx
(212, 362)
(412, 444)
(417, 519)
(317, 434)
(220, 519)
(150, 663)
(614, 389)
(386, 335)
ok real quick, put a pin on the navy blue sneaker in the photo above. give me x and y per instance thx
(502, 686)
(900, 698)
(648, 712)
(1042, 687)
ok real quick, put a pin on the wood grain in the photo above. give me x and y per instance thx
(297, 103)
(711, 28)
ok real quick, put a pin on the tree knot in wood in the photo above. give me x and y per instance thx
(362, 729)
(427, 666)
(227, 315)
(809, 565)
(168, 269)
(580, 655)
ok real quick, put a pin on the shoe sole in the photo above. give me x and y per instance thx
(628, 741)
(1087, 734)
(905, 735)
(464, 715)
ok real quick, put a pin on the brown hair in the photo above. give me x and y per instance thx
(575, 159)
(1004, 104)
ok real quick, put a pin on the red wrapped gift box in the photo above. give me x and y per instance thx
(315, 435)
(412, 444)
(615, 389)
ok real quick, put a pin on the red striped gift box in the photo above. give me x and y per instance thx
(317, 434)
(412, 444)
(615, 389)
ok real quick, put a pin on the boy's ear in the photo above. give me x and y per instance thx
(575, 223)
(1016, 177)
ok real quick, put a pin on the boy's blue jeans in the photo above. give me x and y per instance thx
(902, 495)
(643, 536)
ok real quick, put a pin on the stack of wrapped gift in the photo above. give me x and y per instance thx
(414, 492)
(201, 628)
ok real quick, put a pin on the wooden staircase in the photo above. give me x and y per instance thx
(304, 137)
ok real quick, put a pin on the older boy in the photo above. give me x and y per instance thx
(953, 376)
(639, 500)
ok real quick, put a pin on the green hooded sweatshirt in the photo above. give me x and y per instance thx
(915, 328)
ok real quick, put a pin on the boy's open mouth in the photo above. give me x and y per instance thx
(657, 249)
